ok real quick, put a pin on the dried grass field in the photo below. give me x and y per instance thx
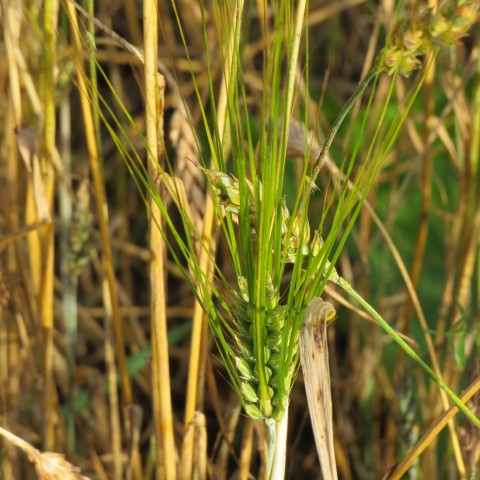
(180, 180)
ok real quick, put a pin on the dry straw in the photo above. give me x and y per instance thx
(257, 322)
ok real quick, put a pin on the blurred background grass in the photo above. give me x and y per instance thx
(427, 196)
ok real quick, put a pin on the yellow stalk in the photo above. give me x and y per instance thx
(199, 326)
(116, 434)
(131, 17)
(154, 90)
(422, 235)
(47, 236)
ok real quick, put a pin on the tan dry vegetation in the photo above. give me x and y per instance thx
(76, 369)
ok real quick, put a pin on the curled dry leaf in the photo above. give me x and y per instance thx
(316, 373)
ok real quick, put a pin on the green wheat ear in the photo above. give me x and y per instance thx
(247, 363)
(294, 238)
(295, 243)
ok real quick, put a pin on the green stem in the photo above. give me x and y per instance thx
(407, 349)
(339, 120)
(271, 445)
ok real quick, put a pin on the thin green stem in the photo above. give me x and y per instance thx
(408, 350)
(338, 122)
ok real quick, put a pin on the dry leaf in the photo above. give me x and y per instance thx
(316, 373)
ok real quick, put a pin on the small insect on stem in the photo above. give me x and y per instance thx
(316, 374)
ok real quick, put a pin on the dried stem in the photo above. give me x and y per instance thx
(154, 101)
(46, 297)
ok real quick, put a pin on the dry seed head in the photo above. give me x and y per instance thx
(54, 466)
(81, 230)
(300, 234)
(317, 244)
(468, 13)
(414, 40)
(398, 60)
(426, 31)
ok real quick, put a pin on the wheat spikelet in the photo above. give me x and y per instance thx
(295, 237)
(246, 361)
